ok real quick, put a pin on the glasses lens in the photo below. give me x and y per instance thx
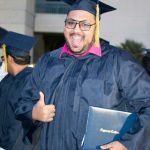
(85, 26)
(70, 24)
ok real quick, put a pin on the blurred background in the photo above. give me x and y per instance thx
(128, 27)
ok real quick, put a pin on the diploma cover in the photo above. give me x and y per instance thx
(106, 125)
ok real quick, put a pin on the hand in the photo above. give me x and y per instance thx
(114, 146)
(42, 112)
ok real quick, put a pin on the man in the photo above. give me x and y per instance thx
(82, 73)
(17, 53)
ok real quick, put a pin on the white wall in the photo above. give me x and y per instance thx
(49, 22)
(131, 20)
(17, 15)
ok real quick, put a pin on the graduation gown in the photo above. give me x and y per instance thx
(115, 81)
(10, 128)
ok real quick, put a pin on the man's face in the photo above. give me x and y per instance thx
(79, 41)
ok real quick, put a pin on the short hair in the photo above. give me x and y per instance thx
(21, 60)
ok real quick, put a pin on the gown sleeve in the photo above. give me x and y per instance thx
(134, 84)
(29, 97)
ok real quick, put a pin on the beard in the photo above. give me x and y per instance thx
(80, 51)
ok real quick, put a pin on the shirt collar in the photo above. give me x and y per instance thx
(92, 50)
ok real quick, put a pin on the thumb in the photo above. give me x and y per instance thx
(41, 100)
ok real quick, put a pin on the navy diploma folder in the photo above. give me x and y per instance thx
(106, 125)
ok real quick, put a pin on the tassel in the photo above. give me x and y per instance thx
(97, 31)
(5, 58)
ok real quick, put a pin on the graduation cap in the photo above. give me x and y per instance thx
(3, 32)
(95, 7)
(89, 5)
(16, 44)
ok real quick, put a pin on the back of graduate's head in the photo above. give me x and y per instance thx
(18, 46)
(20, 60)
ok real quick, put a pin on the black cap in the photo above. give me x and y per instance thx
(89, 5)
(3, 32)
(18, 44)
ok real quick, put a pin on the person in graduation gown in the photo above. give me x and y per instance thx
(17, 49)
(85, 72)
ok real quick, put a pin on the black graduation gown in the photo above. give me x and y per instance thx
(114, 81)
(10, 128)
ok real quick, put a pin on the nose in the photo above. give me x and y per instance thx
(77, 27)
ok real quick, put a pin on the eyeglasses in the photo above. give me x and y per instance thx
(71, 24)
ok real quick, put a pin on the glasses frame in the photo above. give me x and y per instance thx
(79, 23)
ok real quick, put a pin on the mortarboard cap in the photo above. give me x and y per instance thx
(15, 44)
(18, 44)
(3, 32)
(89, 5)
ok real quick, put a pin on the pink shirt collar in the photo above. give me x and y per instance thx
(92, 50)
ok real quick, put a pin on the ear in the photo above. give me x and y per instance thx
(11, 59)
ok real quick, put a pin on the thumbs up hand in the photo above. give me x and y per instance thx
(42, 112)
